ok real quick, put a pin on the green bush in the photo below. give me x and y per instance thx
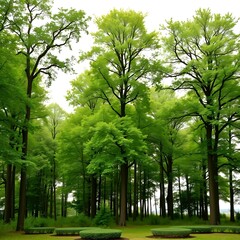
(71, 231)
(39, 230)
(238, 216)
(96, 234)
(103, 217)
(226, 229)
(171, 232)
(74, 221)
(199, 229)
(153, 220)
(39, 222)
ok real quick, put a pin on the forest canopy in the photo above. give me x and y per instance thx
(155, 123)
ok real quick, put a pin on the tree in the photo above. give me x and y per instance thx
(11, 116)
(203, 58)
(55, 118)
(40, 35)
(121, 64)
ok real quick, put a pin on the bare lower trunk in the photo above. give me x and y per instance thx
(123, 197)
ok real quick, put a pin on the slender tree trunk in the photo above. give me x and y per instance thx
(180, 195)
(51, 201)
(54, 188)
(13, 192)
(99, 198)
(189, 200)
(232, 218)
(170, 186)
(116, 198)
(135, 193)
(94, 197)
(8, 195)
(123, 196)
(162, 188)
(231, 191)
(129, 215)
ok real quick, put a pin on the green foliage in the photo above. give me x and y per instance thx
(39, 222)
(103, 217)
(71, 231)
(199, 229)
(101, 234)
(172, 232)
(238, 216)
(154, 220)
(115, 142)
(39, 230)
(74, 221)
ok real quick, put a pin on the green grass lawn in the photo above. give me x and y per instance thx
(131, 232)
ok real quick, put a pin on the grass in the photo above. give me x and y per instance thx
(131, 232)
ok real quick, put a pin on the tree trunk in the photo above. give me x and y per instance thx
(51, 201)
(123, 196)
(8, 195)
(231, 191)
(232, 218)
(180, 194)
(129, 215)
(213, 191)
(23, 182)
(170, 186)
(189, 202)
(213, 178)
(94, 197)
(162, 188)
(54, 188)
(23, 178)
(13, 192)
(135, 193)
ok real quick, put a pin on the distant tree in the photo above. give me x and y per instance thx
(203, 58)
(54, 120)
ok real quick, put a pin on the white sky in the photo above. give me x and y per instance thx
(157, 12)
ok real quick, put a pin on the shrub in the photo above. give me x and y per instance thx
(199, 229)
(153, 220)
(96, 234)
(70, 231)
(39, 230)
(225, 229)
(38, 222)
(74, 221)
(238, 216)
(171, 232)
(103, 217)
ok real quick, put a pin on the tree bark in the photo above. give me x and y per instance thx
(170, 186)
(123, 195)
(232, 218)
(8, 195)
(135, 193)
(213, 178)
(94, 197)
(162, 187)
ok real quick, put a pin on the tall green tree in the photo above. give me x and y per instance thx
(120, 66)
(203, 56)
(40, 35)
(11, 116)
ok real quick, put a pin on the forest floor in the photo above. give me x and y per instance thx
(128, 233)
